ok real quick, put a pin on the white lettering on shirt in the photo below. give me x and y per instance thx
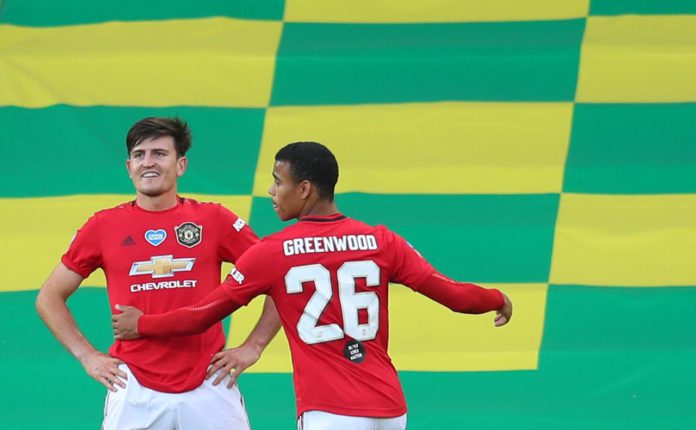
(313, 245)
(150, 286)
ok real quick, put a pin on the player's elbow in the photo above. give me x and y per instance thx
(41, 303)
(48, 300)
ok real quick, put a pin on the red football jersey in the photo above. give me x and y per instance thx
(158, 261)
(329, 279)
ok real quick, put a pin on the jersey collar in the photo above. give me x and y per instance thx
(325, 218)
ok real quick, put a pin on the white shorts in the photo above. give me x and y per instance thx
(205, 407)
(319, 420)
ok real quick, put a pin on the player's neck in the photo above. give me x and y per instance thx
(319, 208)
(161, 202)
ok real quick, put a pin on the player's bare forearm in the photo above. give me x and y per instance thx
(234, 361)
(266, 328)
(51, 305)
(53, 310)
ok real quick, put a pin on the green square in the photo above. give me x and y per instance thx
(84, 149)
(632, 149)
(386, 63)
(643, 7)
(505, 238)
(620, 353)
(39, 13)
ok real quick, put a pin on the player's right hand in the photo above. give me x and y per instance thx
(125, 324)
(104, 369)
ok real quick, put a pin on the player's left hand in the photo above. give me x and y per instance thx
(504, 314)
(125, 324)
(232, 361)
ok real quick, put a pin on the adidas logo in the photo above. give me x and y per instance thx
(128, 241)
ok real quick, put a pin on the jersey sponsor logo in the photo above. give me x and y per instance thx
(162, 266)
(312, 245)
(237, 275)
(149, 286)
(239, 224)
(155, 237)
(189, 234)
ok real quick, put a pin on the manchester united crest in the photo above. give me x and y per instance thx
(189, 234)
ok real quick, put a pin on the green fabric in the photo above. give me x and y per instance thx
(479, 238)
(608, 360)
(356, 63)
(632, 149)
(647, 7)
(92, 141)
(610, 357)
(44, 13)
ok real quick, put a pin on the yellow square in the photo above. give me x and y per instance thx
(276, 356)
(198, 62)
(425, 336)
(388, 11)
(37, 231)
(620, 240)
(638, 59)
(430, 148)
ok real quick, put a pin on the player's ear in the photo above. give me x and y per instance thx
(305, 189)
(181, 164)
(128, 167)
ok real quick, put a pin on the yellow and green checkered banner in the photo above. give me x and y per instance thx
(543, 147)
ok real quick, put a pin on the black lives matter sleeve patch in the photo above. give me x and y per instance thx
(189, 234)
(354, 351)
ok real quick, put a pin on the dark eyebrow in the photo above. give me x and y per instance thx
(276, 176)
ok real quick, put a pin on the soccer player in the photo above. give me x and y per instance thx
(328, 275)
(159, 252)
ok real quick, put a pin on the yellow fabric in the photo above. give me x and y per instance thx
(614, 240)
(638, 59)
(203, 62)
(455, 342)
(493, 148)
(37, 231)
(390, 11)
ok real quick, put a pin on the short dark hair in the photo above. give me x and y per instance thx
(314, 162)
(154, 127)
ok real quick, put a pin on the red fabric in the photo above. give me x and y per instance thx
(317, 293)
(461, 297)
(188, 320)
(115, 240)
(324, 378)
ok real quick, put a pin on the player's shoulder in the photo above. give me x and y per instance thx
(379, 230)
(207, 206)
(114, 211)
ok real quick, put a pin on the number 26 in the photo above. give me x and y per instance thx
(350, 301)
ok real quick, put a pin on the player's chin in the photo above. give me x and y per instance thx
(282, 215)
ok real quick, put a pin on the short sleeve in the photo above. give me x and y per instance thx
(235, 235)
(84, 254)
(409, 266)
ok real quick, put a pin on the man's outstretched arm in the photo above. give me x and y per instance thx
(467, 298)
(131, 323)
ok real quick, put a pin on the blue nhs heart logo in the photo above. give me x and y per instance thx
(155, 237)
